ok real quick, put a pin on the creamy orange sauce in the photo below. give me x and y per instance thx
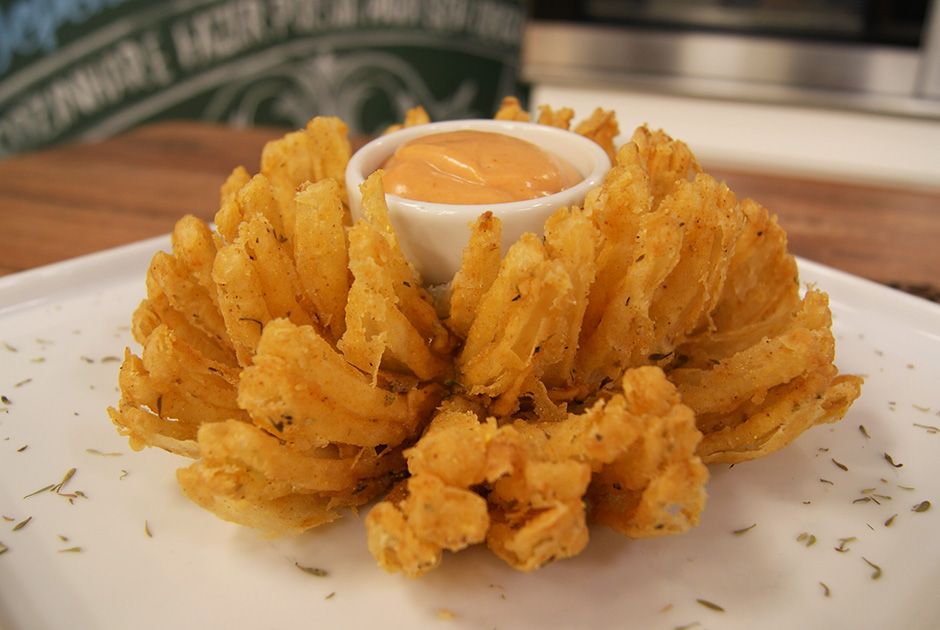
(463, 167)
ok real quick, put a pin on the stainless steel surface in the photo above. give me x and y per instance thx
(874, 78)
(929, 75)
(807, 17)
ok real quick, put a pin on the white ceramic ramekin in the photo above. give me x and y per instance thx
(433, 235)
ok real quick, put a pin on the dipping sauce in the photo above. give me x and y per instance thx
(464, 167)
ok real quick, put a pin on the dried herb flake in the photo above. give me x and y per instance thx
(741, 532)
(22, 523)
(877, 573)
(71, 550)
(57, 488)
(890, 520)
(22, 448)
(826, 591)
(710, 605)
(3, 549)
(923, 506)
(840, 465)
(40, 491)
(318, 572)
(864, 431)
(331, 595)
(147, 530)
(891, 461)
(928, 427)
(806, 538)
(94, 451)
(25, 381)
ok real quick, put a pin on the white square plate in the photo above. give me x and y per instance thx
(62, 326)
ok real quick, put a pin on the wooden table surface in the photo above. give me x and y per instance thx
(78, 199)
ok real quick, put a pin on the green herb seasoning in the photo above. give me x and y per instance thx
(9, 348)
(890, 520)
(109, 359)
(71, 550)
(923, 506)
(806, 538)
(688, 626)
(821, 480)
(40, 491)
(890, 460)
(710, 605)
(877, 573)
(840, 465)
(94, 451)
(25, 381)
(22, 523)
(3, 549)
(744, 530)
(921, 409)
(826, 591)
(928, 427)
(843, 542)
(331, 595)
(864, 431)
(65, 479)
(147, 531)
(318, 572)
(123, 474)
(22, 448)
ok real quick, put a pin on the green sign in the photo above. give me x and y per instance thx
(88, 69)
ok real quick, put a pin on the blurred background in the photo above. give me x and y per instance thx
(842, 88)
(87, 69)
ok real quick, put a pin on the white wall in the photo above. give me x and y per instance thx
(819, 143)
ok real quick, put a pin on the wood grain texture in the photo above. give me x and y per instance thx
(78, 199)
